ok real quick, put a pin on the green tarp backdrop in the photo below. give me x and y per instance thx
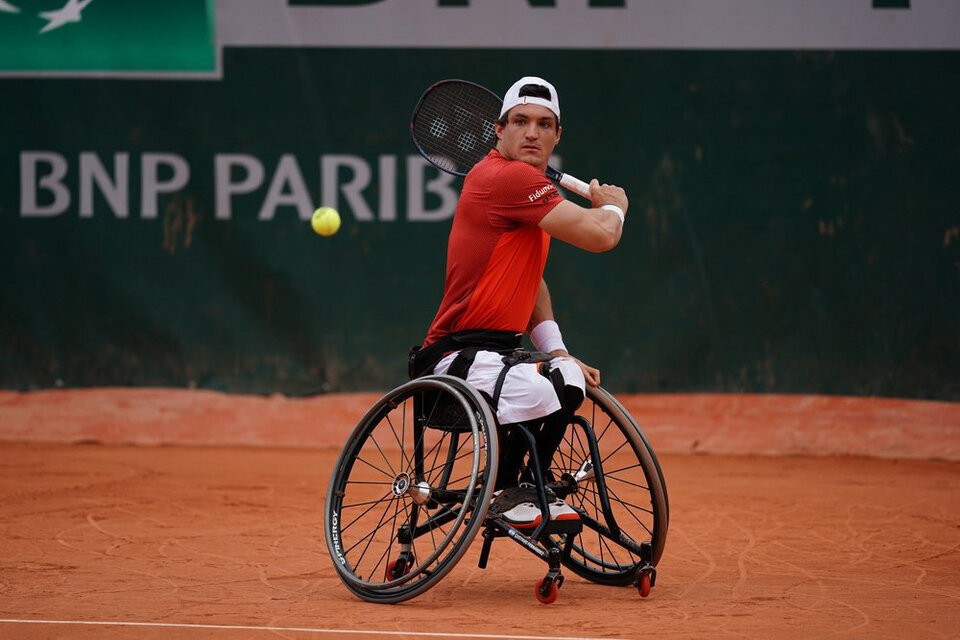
(792, 226)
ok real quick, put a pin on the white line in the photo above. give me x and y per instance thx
(106, 623)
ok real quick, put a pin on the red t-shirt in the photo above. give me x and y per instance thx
(496, 252)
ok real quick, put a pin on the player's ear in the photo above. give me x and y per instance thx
(559, 132)
(498, 129)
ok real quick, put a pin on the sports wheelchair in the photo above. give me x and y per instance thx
(415, 479)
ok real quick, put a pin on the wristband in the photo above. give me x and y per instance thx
(617, 210)
(546, 337)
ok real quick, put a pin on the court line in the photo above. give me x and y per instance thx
(238, 627)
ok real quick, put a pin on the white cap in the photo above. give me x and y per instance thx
(513, 98)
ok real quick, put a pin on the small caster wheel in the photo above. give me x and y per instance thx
(546, 593)
(643, 584)
(399, 567)
(646, 578)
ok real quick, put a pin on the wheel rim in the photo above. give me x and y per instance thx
(381, 486)
(594, 554)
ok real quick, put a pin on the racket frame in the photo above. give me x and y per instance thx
(564, 179)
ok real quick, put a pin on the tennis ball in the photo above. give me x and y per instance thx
(325, 221)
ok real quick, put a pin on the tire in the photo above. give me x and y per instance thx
(413, 481)
(633, 485)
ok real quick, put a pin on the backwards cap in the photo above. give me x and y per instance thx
(513, 97)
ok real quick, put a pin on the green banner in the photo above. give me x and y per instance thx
(792, 224)
(107, 36)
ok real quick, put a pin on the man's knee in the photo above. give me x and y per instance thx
(568, 383)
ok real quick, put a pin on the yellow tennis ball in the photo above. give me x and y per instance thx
(325, 221)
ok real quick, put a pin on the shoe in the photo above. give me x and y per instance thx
(519, 507)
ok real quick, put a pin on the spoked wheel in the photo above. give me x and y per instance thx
(411, 488)
(624, 509)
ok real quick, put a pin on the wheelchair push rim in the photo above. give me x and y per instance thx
(625, 523)
(411, 488)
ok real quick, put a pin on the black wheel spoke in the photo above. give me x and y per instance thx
(376, 468)
(388, 498)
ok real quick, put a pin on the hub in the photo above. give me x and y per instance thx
(401, 483)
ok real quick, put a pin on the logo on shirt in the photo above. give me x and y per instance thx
(539, 192)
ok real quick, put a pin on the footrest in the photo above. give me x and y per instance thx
(570, 527)
(561, 525)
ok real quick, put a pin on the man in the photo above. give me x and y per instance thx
(494, 290)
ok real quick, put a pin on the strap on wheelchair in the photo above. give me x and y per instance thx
(515, 357)
(460, 366)
(422, 360)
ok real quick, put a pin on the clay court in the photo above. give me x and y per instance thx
(124, 518)
(766, 271)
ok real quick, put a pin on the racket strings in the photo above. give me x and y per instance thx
(454, 125)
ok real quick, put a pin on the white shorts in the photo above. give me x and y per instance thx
(526, 394)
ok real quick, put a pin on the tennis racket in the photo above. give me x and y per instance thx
(452, 127)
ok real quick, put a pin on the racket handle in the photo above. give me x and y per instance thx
(567, 181)
(575, 184)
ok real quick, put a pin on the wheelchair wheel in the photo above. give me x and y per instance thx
(622, 500)
(411, 488)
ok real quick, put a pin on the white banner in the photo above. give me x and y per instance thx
(584, 24)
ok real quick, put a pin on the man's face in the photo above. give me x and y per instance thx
(530, 135)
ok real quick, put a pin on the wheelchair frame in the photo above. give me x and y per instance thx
(414, 482)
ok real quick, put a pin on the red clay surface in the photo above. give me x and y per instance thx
(758, 547)
(676, 423)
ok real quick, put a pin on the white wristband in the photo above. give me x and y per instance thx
(546, 337)
(617, 210)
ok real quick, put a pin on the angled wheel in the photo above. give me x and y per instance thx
(411, 488)
(644, 583)
(399, 567)
(546, 593)
(621, 494)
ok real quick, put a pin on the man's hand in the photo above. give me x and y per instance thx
(601, 194)
(590, 374)
(595, 229)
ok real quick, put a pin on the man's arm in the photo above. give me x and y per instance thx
(542, 312)
(596, 229)
(542, 307)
